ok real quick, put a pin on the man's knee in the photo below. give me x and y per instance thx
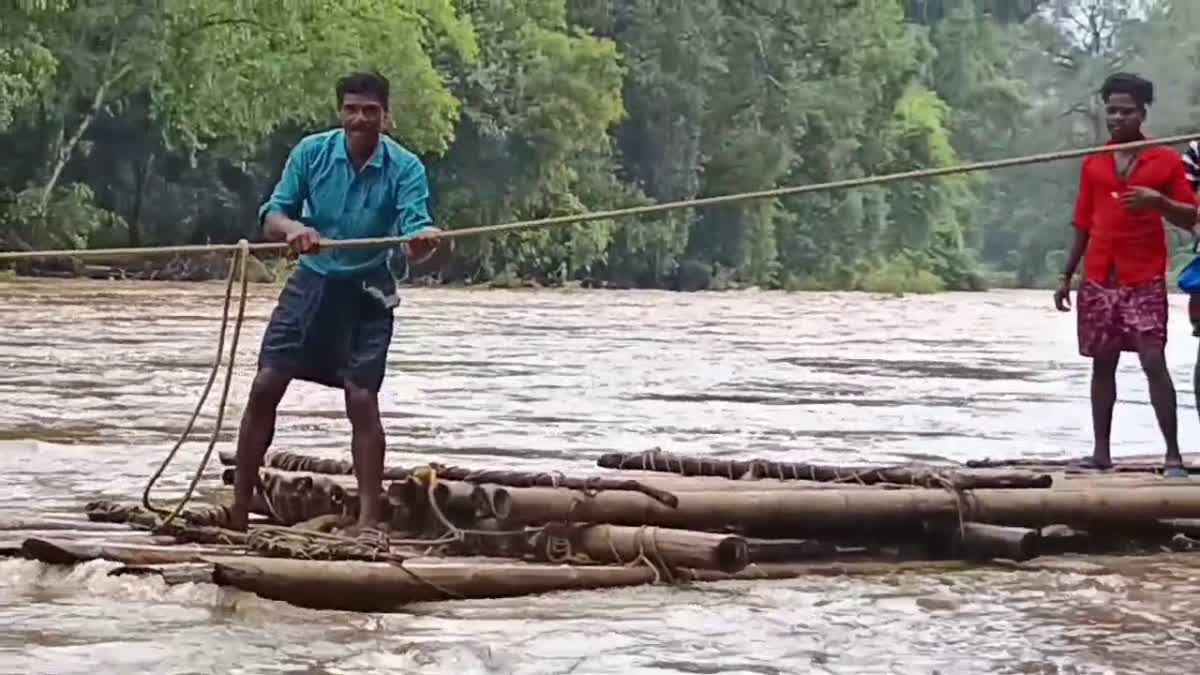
(1105, 365)
(362, 404)
(268, 389)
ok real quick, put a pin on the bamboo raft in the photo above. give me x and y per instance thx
(650, 517)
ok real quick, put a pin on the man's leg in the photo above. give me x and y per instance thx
(367, 447)
(1162, 398)
(1196, 378)
(1104, 397)
(254, 437)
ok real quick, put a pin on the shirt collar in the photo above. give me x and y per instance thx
(342, 151)
(1140, 137)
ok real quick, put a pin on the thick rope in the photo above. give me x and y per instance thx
(384, 242)
(237, 267)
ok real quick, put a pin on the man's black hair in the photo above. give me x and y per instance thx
(1139, 88)
(370, 84)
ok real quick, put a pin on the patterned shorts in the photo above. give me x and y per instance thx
(1122, 318)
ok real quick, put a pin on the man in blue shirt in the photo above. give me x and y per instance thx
(333, 323)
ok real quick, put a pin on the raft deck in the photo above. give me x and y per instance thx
(651, 517)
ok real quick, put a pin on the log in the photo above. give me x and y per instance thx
(41, 523)
(753, 469)
(493, 501)
(826, 510)
(981, 541)
(13, 540)
(553, 480)
(172, 574)
(501, 540)
(662, 546)
(674, 483)
(453, 497)
(1119, 466)
(290, 461)
(378, 587)
(61, 552)
(1186, 526)
(787, 550)
(793, 570)
(295, 462)
(297, 497)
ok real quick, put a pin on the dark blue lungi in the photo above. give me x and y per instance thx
(331, 330)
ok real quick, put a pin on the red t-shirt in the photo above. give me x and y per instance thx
(1132, 242)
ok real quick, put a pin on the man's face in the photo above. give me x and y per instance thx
(363, 117)
(1124, 117)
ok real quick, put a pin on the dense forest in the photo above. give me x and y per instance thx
(145, 122)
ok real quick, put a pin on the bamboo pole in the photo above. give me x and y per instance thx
(295, 462)
(365, 586)
(493, 501)
(823, 510)
(752, 469)
(662, 546)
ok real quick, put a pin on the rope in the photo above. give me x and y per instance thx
(384, 242)
(237, 266)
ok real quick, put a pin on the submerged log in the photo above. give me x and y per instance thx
(75, 524)
(61, 552)
(661, 546)
(753, 469)
(172, 574)
(981, 541)
(825, 510)
(365, 586)
(787, 550)
(781, 570)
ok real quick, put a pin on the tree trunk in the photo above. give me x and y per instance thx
(64, 150)
(142, 173)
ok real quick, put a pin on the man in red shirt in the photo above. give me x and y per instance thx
(1122, 300)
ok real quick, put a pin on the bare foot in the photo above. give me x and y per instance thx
(1100, 459)
(1173, 466)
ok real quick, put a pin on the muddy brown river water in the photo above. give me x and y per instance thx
(97, 378)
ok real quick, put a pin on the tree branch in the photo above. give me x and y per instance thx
(66, 149)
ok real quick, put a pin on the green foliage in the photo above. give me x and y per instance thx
(132, 122)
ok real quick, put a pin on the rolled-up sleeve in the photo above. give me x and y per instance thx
(412, 200)
(291, 190)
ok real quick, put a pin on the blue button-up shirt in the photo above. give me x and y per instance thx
(320, 188)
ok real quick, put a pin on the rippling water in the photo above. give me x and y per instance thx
(97, 378)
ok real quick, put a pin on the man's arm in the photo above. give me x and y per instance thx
(412, 201)
(279, 214)
(1176, 202)
(1083, 230)
(412, 215)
